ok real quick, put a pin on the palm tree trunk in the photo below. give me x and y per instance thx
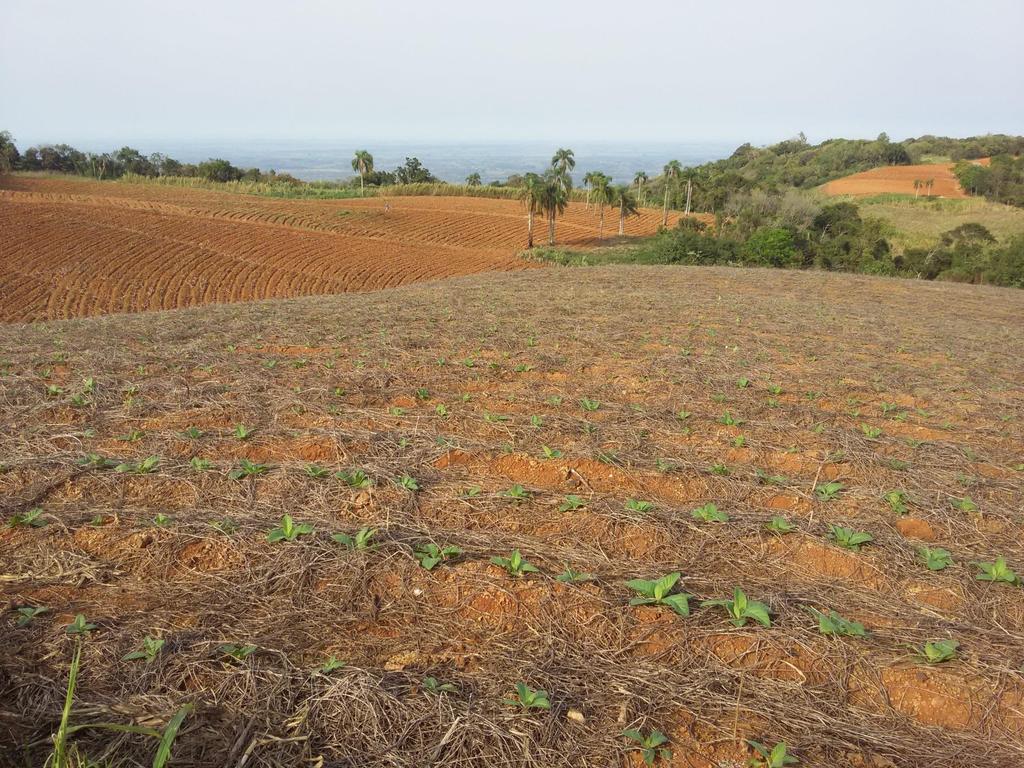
(529, 229)
(622, 218)
(689, 190)
(600, 230)
(664, 213)
(551, 228)
(588, 198)
(362, 185)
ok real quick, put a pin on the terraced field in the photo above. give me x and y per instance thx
(741, 428)
(75, 248)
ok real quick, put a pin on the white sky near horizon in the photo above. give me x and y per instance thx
(458, 70)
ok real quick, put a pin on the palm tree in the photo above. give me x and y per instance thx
(603, 195)
(689, 174)
(473, 180)
(362, 164)
(917, 187)
(639, 178)
(588, 182)
(623, 197)
(553, 200)
(532, 196)
(672, 171)
(562, 163)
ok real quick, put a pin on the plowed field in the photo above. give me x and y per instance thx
(74, 248)
(899, 180)
(609, 424)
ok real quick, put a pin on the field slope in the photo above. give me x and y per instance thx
(898, 180)
(585, 418)
(74, 247)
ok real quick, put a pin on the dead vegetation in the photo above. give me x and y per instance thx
(579, 421)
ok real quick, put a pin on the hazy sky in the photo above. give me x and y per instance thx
(479, 70)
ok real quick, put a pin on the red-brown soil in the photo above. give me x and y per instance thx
(899, 180)
(462, 385)
(74, 248)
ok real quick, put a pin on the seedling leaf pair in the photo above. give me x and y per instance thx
(658, 592)
(740, 609)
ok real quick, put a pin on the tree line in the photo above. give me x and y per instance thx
(789, 230)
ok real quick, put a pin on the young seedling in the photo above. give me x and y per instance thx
(355, 479)
(79, 626)
(331, 664)
(200, 465)
(554, 400)
(650, 746)
(729, 420)
(774, 389)
(225, 526)
(832, 623)
(770, 757)
(569, 576)
(938, 651)
(536, 421)
(683, 415)
(897, 501)
(589, 405)
(430, 555)
(471, 492)
(659, 592)
(317, 472)
(441, 410)
(571, 503)
(966, 504)
(935, 558)
(765, 479)
(997, 571)
(742, 382)
(515, 564)
(27, 613)
(872, 433)
(436, 687)
(96, 461)
(633, 505)
(550, 453)
(151, 647)
(160, 520)
(517, 492)
(719, 469)
(709, 513)
(132, 437)
(289, 530)
(828, 491)
(847, 538)
(242, 432)
(192, 433)
(665, 467)
(145, 466)
(409, 483)
(362, 540)
(422, 393)
(236, 651)
(528, 698)
(780, 526)
(740, 609)
(30, 519)
(247, 468)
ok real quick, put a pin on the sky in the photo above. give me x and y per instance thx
(476, 70)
